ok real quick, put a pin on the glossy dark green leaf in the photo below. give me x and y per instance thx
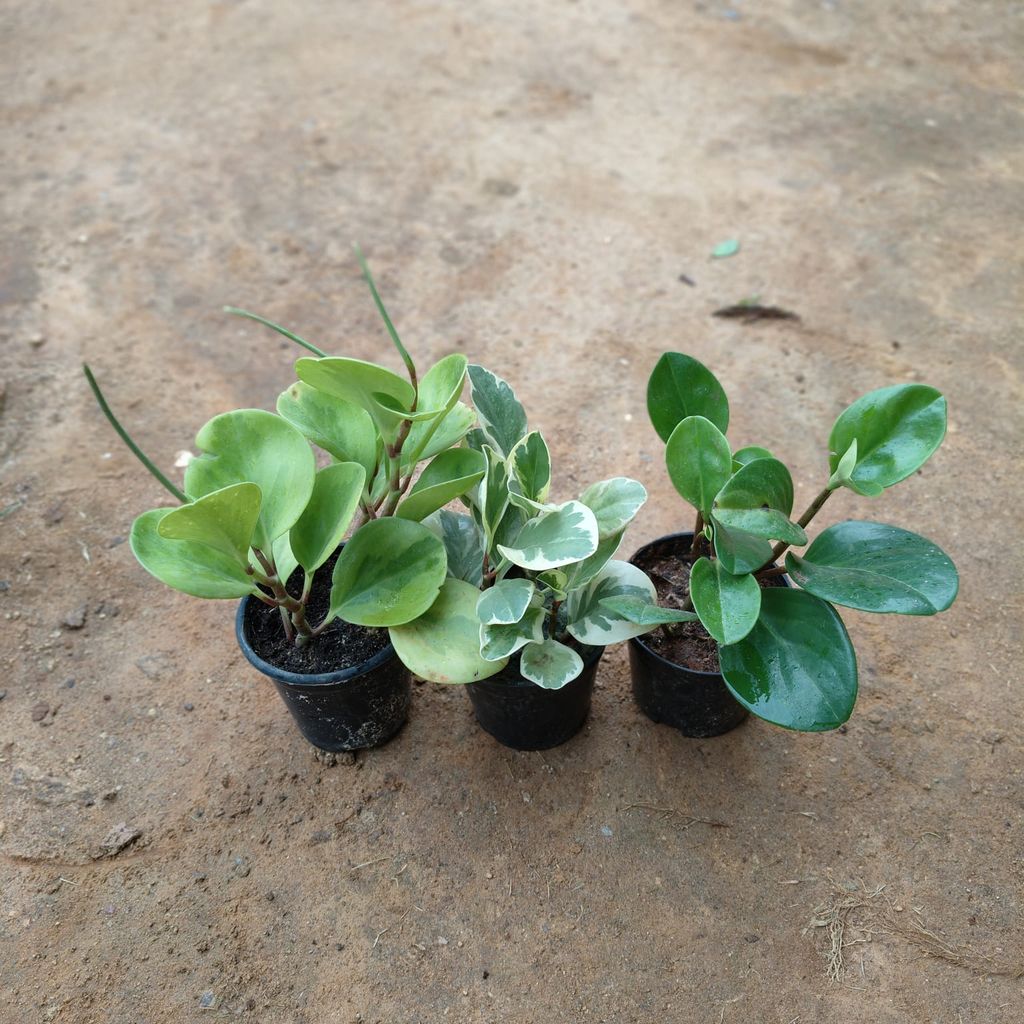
(749, 453)
(680, 387)
(758, 500)
(796, 667)
(727, 605)
(699, 461)
(876, 568)
(738, 551)
(896, 429)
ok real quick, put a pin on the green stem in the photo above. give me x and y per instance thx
(698, 528)
(276, 327)
(406, 358)
(123, 434)
(812, 510)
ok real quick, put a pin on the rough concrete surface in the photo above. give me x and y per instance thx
(529, 181)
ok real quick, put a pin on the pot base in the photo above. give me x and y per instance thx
(524, 716)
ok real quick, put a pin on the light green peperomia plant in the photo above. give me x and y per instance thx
(784, 652)
(255, 506)
(527, 575)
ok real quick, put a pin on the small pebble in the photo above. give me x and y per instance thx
(40, 711)
(189, 706)
(76, 619)
(207, 1001)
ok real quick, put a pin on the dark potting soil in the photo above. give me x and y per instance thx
(341, 645)
(689, 644)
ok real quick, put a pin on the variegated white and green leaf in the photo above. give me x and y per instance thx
(591, 620)
(550, 664)
(530, 463)
(556, 538)
(462, 541)
(502, 418)
(614, 503)
(506, 602)
(500, 641)
(579, 574)
(645, 613)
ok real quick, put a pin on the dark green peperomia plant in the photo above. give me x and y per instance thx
(527, 575)
(255, 506)
(784, 652)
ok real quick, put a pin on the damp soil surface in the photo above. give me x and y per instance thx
(540, 185)
(340, 646)
(687, 643)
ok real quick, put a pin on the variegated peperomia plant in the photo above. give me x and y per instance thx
(526, 575)
(784, 652)
(255, 506)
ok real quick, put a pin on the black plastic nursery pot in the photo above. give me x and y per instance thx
(696, 703)
(525, 716)
(352, 708)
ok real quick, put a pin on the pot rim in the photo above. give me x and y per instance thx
(638, 640)
(311, 679)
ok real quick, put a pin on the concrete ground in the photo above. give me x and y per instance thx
(530, 181)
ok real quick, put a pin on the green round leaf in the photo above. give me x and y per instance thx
(550, 664)
(896, 429)
(328, 515)
(742, 456)
(699, 461)
(251, 445)
(758, 500)
(505, 603)
(439, 390)
(727, 605)
(739, 551)
(339, 427)
(566, 534)
(876, 568)
(388, 573)
(363, 384)
(192, 568)
(614, 503)
(224, 519)
(443, 644)
(796, 667)
(449, 476)
(680, 387)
